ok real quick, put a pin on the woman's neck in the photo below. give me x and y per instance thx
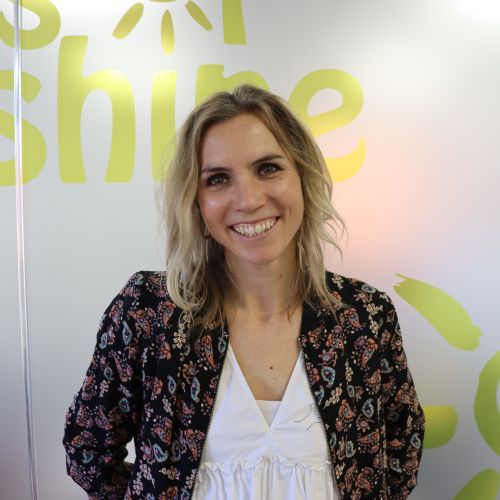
(263, 291)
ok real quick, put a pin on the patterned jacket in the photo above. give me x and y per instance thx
(146, 381)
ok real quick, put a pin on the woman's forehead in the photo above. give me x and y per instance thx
(240, 139)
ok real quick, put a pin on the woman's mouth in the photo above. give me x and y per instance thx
(251, 230)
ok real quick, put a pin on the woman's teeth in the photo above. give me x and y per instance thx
(254, 229)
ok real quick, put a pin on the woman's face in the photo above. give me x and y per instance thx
(249, 193)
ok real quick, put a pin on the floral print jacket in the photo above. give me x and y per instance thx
(146, 381)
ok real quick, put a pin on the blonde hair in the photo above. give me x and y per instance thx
(196, 273)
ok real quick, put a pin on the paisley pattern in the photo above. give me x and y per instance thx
(147, 382)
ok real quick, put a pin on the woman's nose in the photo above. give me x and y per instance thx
(248, 195)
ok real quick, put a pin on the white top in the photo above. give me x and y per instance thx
(280, 456)
(268, 409)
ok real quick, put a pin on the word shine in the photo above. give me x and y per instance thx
(73, 88)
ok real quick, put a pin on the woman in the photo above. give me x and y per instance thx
(247, 371)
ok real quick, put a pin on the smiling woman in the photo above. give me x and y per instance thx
(247, 370)
(225, 150)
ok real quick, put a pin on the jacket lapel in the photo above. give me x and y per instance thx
(199, 379)
(322, 343)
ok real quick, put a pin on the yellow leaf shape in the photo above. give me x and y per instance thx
(440, 425)
(483, 486)
(128, 21)
(198, 15)
(167, 33)
(449, 318)
(485, 405)
(234, 26)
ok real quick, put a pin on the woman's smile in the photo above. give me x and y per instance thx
(252, 230)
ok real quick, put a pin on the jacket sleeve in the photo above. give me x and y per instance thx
(105, 413)
(404, 418)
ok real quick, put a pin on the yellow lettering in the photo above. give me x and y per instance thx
(211, 79)
(163, 121)
(43, 34)
(34, 150)
(341, 168)
(73, 91)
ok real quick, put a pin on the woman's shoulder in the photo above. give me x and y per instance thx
(144, 299)
(353, 292)
(147, 286)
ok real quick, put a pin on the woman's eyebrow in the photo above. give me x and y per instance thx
(208, 169)
(269, 157)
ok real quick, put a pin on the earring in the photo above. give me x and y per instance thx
(206, 234)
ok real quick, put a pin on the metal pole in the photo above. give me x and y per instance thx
(21, 261)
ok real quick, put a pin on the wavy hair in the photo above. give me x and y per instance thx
(197, 277)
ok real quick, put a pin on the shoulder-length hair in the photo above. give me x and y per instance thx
(197, 277)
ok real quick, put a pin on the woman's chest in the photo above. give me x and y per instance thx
(266, 360)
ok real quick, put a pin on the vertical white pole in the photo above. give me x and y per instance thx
(21, 262)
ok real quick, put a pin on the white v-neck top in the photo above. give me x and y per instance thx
(268, 409)
(246, 458)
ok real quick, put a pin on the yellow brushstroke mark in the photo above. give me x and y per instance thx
(167, 33)
(234, 25)
(483, 486)
(485, 404)
(128, 21)
(444, 313)
(440, 425)
(198, 15)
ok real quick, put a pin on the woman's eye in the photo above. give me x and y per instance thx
(269, 168)
(215, 180)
